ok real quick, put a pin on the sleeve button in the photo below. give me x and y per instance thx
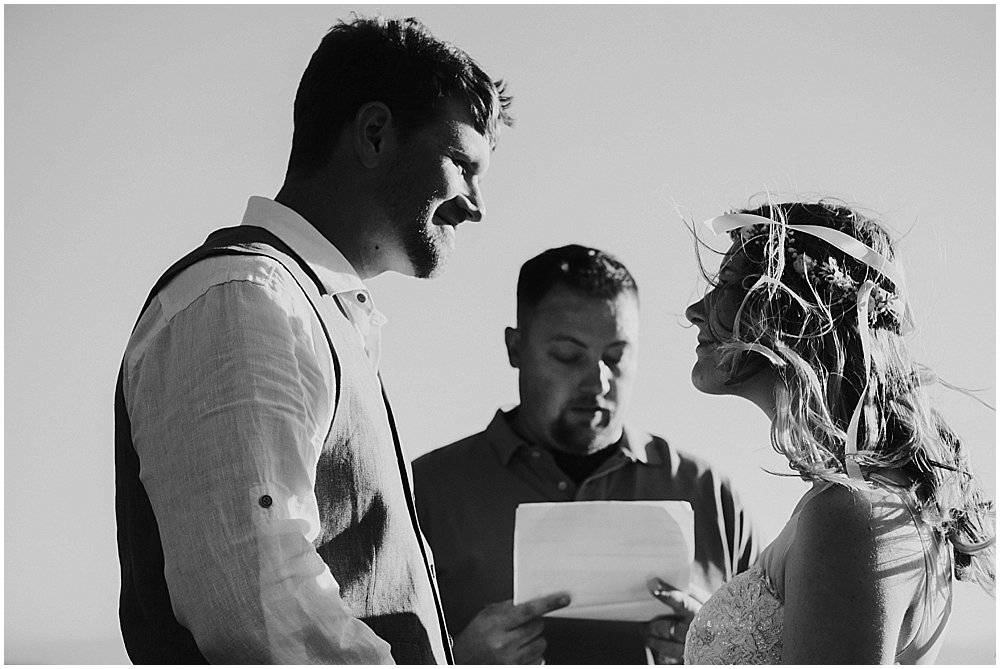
(266, 501)
(361, 298)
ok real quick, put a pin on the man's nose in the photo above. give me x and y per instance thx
(598, 379)
(472, 203)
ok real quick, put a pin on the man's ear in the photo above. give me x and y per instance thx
(372, 129)
(512, 338)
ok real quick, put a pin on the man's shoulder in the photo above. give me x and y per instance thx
(255, 287)
(261, 271)
(683, 462)
(465, 450)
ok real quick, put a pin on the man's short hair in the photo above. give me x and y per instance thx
(399, 63)
(590, 271)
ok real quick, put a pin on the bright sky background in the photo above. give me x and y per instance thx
(132, 132)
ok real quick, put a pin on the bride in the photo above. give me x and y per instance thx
(806, 320)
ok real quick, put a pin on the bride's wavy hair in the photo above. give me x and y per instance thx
(802, 319)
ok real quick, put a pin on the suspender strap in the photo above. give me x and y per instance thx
(416, 527)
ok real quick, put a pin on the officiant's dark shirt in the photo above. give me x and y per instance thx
(467, 493)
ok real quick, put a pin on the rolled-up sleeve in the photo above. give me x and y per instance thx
(230, 396)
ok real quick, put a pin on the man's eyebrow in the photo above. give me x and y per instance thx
(474, 163)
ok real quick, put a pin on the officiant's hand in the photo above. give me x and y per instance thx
(665, 634)
(507, 634)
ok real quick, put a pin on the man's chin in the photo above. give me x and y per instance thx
(584, 441)
(428, 272)
(428, 265)
(429, 256)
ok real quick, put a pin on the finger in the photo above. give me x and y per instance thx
(682, 603)
(529, 630)
(532, 653)
(666, 627)
(668, 630)
(665, 651)
(536, 608)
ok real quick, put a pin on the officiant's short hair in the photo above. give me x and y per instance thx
(593, 272)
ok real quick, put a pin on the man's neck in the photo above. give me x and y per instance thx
(581, 467)
(332, 216)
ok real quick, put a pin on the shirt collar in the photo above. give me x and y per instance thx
(637, 446)
(330, 265)
(506, 442)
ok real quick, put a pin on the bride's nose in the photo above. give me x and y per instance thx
(696, 312)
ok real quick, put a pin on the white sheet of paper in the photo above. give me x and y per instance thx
(603, 554)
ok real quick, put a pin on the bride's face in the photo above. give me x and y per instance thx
(714, 315)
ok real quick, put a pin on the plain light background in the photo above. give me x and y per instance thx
(132, 132)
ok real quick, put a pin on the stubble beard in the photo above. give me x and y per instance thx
(413, 216)
(428, 255)
(577, 439)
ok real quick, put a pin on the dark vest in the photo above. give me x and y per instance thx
(369, 534)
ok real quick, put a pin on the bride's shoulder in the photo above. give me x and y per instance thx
(859, 525)
(831, 506)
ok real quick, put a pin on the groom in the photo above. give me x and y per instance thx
(263, 503)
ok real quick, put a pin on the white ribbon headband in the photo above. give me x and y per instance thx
(849, 245)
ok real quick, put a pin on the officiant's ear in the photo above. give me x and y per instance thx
(512, 338)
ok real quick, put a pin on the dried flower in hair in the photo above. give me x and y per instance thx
(837, 277)
(803, 264)
(750, 231)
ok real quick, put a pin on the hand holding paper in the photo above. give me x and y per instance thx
(603, 554)
(505, 633)
(664, 636)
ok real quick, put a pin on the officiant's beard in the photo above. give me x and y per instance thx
(583, 439)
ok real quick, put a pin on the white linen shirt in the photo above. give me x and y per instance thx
(229, 383)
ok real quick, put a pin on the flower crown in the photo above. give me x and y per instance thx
(827, 276)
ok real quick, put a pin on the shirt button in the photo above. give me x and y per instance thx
(362, 298)
(266, 501)
(563, 485)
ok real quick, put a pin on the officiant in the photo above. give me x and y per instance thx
(575, 347)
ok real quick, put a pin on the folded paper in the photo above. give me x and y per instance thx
(603, 554)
